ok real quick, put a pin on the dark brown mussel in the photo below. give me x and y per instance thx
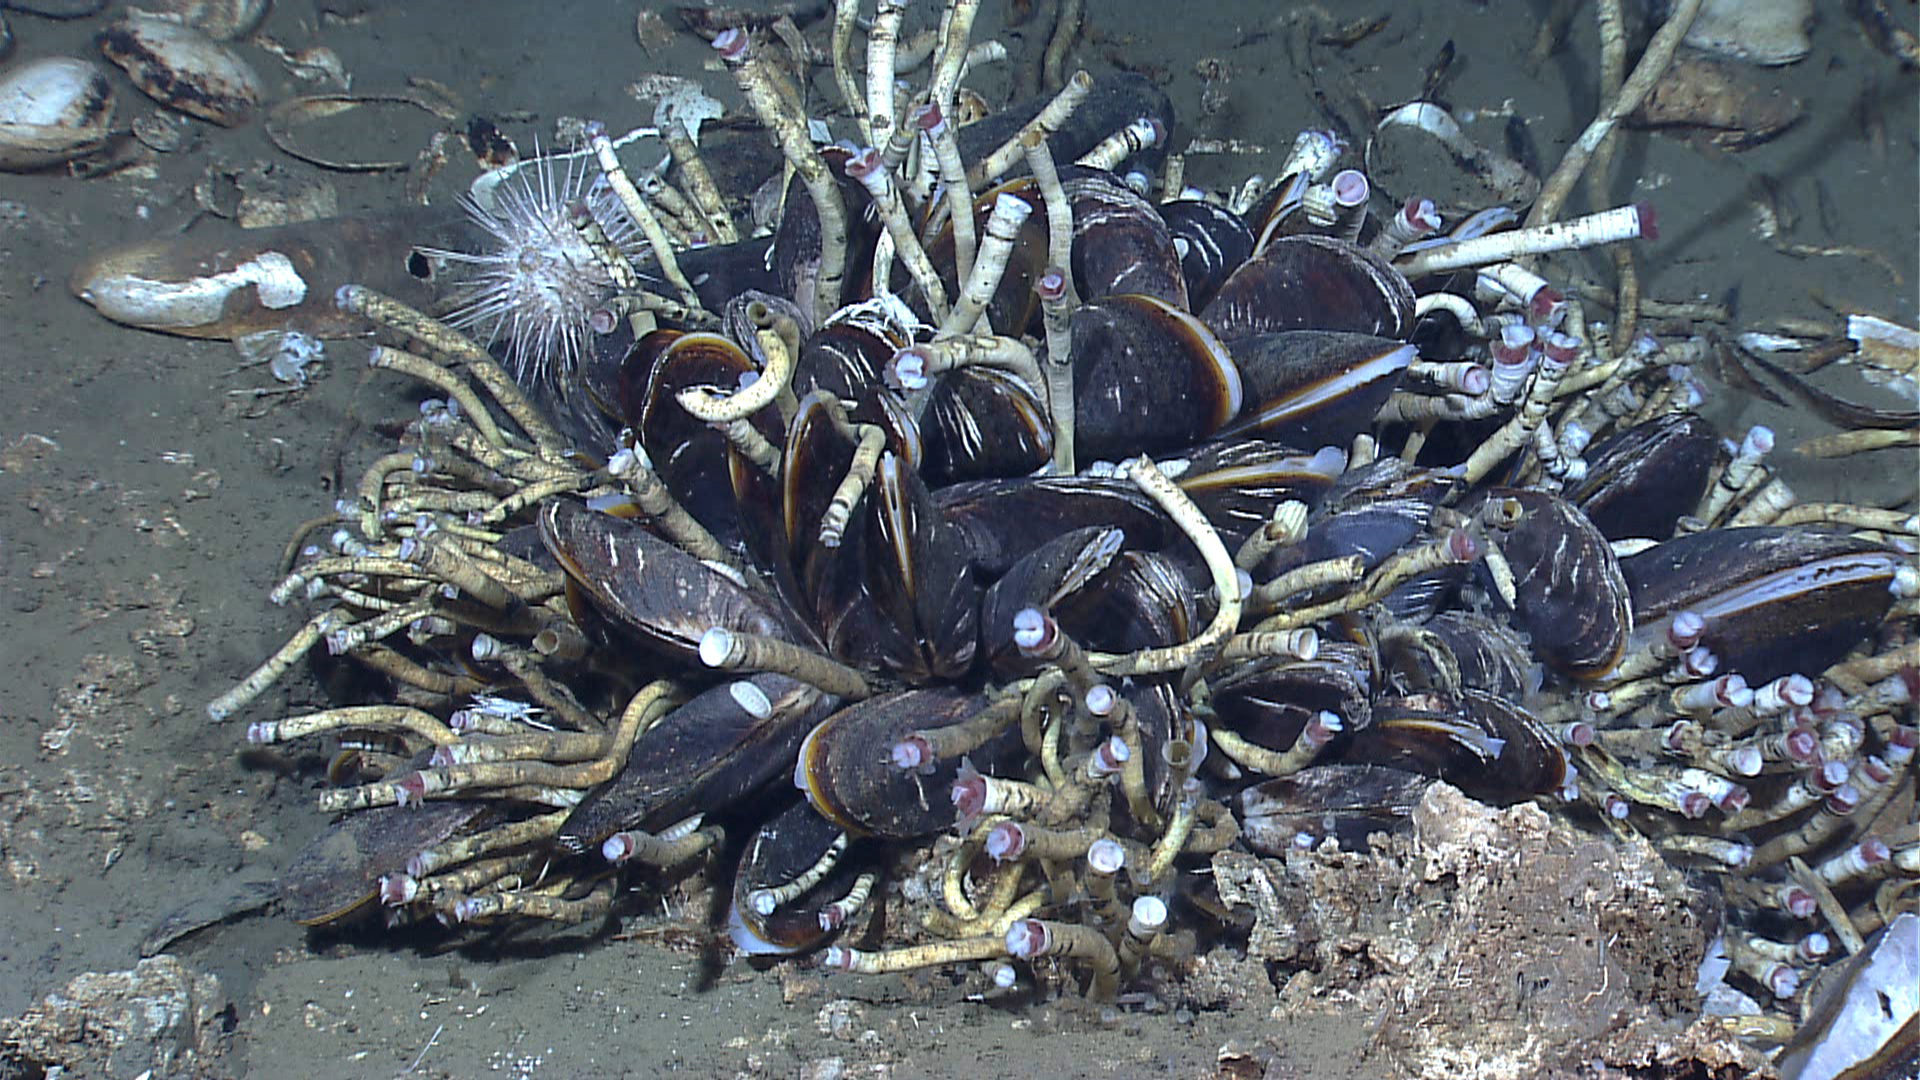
(1456, 649)
(831, 571)
(1147, 377)
(1570, 596)
(1004, 520)
(1014, 308)
(980, 422)
(1212, 242)
(1042, 579)
(846, 355)
(1268, 701)
(1143, 600)
(668, 598)
(711, 753)
(1343, 802)
(1487, 746)
(338, 873)
(1312, 283)
(1314, 387)
(796, 242)
(1776, 600)
(1371, 512)
(919, 575)
(847, 772)
(689, 454)
(1238, 483)
(1121, 244)
(794, 868)
(1165, 723)
(1641, 481)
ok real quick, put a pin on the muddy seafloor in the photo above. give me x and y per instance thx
(146, 492)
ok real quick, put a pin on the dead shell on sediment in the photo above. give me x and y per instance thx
(1757, 31)
(263, 195)
(162, 132)
(1728, 103)
(1420, 147)
(182, 68)
(145, 287)
(221, 20)
(369, 112)
(53, 110)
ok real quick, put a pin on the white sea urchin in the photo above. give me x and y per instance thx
(537, 283)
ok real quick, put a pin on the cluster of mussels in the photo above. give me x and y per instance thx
(828, 511)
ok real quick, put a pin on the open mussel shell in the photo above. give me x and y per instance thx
(182, 68)
(1861, 1017)
(667, 598)
(1315, 387)
(1121, 244)
(831, 579)
(1312, 283)
(1147, 377)
(1776, 600)
(53, 110)
(1212, 242)
(713, 752)
(1344, 802)
(846, 765)
(1570, 595)
(1489, 747)
(1642, 480)
(337, 874)
(782, 852)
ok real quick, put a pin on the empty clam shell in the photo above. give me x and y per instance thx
(53, 110)
(182, 68)
(1757, 31)
(221, 20)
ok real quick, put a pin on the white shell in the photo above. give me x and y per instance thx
(53, 110)
(1757, 31)
(182, 68)
(221, 20)
(125, 295)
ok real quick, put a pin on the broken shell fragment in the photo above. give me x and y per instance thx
(262, 195)
(182, 68)
(53, 110)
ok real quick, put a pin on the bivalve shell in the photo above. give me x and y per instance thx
(53, 110)
(1766, 32)
(182, 68)
(221, 20)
